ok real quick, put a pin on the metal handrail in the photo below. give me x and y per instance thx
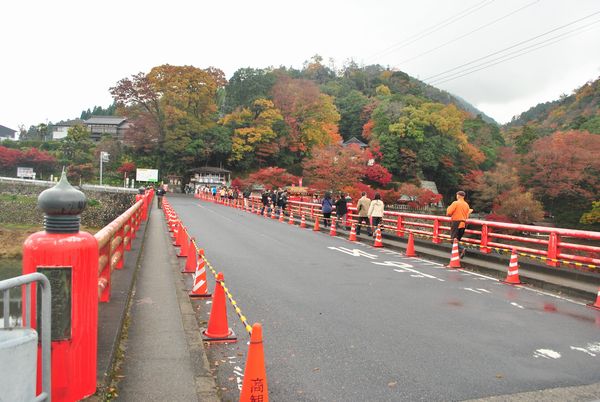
(5, 286)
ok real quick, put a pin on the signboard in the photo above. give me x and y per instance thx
(146, 175)
(60, 283)
(25, 172)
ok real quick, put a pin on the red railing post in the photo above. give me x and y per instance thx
(553, 249)
(485, 232)
(436, 231)
(399, 227)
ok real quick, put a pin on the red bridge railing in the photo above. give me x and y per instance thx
(114, 239)
(555, 246)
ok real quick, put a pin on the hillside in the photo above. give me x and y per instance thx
(578, 111)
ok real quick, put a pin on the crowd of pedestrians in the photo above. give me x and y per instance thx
(369, 212)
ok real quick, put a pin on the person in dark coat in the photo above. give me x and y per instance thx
(341, 209)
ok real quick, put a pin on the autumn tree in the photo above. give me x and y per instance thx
(519, 206)
(563, 171)
(8, 160)
(334, 167)
(253, 132)
(77, 148)
(592, 217)
(272, 177)
(179, 102)
(310, 115)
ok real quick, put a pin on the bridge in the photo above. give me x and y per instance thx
(343, 320)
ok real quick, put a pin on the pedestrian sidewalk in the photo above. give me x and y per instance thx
(164, 357)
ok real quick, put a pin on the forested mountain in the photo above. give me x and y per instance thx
(578, 111)
(273, 126)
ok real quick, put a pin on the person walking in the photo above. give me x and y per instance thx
(362, 207)
(376, 212)
(341, 209)
(326, 208)
(159, 195)
(459, 212)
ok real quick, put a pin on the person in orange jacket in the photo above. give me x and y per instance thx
(459, 212)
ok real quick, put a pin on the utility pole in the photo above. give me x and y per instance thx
(103, 158)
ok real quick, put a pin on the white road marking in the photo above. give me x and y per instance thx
(546, 354)
(406, 267)
(472, 290)
(354, 252)
(516, 305)
(484, 290)
(584, 350)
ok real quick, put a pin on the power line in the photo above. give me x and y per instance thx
(428, 31)
(502, 59)
(512, 46)
(469, 33)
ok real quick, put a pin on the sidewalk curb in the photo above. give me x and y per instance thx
(206, 388)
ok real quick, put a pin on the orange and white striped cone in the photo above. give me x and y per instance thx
(333, 230)
(454, 257)
(378, 242)
(200, 288)
(352, 236)
(512, 276)
(281, 216)
(291, 221)
(303, 222)
(273, 213)
(596, 305)
(410, 247)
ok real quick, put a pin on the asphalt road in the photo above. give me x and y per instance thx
(347, 322)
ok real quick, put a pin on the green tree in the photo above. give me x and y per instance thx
(77, 148)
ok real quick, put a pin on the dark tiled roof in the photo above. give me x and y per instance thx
(110, 120)
(7, 132)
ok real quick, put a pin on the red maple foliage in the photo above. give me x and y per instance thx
(378, 174)
(335, 167)
(8, 158)
(126, 167)
(272, 177)
(565, 164)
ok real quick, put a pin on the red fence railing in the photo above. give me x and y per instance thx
(553, 245)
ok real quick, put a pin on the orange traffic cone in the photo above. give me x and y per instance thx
(316, 227)
(352, 236)
(410, 247)
(303, 222)
(200, 288)
(254, 386)
(333, 231)
(190, 262)
(218, 330)
(281, 216)
(597, 304)
(378, 242)
(183, 251)
(291, 221)
(273, 214)
(176, 231)
(454, 257)
(512, 276)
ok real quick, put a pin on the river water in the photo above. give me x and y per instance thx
(9, 268)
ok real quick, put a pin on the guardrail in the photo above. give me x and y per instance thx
(113, 240)
(46, 322)
(546, 243)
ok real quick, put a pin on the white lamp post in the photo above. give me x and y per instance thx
(103, 158)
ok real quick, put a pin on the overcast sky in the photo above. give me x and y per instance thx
(60, 57)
